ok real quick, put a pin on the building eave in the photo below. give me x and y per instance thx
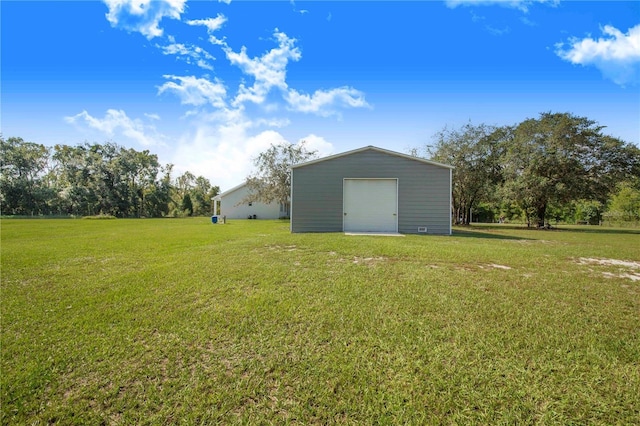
(372, 148)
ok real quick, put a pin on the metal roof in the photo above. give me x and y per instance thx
(372, 148)
(229, 191)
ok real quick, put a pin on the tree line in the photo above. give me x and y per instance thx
(95, 179)
(558, 167)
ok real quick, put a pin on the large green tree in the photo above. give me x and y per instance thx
(108, 179)
(271, 182)
(192, 195)
(23, 166)
(94, 178)
(138, 177)
(624, 205)
(559, 158)
(474, 151)
(201, 195)
(157, 200)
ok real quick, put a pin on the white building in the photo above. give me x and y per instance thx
(234, 205)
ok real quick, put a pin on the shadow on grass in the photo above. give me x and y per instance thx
(486, 230)
(485, 233)
(593, 229)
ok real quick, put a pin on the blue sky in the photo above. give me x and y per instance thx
(208, 85)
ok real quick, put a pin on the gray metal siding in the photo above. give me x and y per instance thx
(423, 192)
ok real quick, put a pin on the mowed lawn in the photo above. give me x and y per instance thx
(178, 321)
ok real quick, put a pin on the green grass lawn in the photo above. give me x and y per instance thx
(181, 321)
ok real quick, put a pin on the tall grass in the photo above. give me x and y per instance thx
(181, 321)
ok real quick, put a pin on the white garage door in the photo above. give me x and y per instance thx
(370, 205)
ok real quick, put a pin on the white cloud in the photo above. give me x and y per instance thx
(143, 16)
(223, 144)
(116, 123)
(272, 122)
(528, 22)
(522, 5)
(293, 6)
(616, 55)
(225, 161)
(268, 70)
(489, 28)
(218, 41)
(224, 1)
(196, 91)
(226, 130)
(212, 24)
(497, 31)
(189, 53)
(319, 144)
(174, 49)
(204, 64)
(323, 102)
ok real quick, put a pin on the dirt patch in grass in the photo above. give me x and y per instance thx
(356, 260)
(614, 262)
(278, 247)
(632, 277)
(625, 268)
(531, 242)
(368, 260)
(496, 266)
(474, 267)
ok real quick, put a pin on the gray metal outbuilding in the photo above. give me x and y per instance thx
(371, 190)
